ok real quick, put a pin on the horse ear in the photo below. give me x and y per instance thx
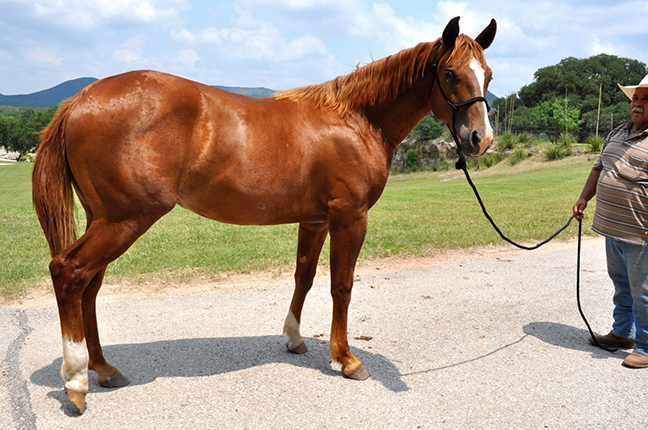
(486, 37)
(451, 32)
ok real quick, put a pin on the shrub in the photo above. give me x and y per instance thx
(411, 160)
(506, 142)
(525, 139)
(596, 143)
(485, 161)
(517, 156)
(566, 139)
(556, 152)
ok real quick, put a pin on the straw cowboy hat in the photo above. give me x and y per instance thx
(630, 89)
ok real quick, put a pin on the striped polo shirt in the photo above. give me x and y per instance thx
(622, 189)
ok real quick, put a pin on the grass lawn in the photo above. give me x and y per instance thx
(418, 215)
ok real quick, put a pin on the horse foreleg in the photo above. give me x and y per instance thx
(311, 240)
(109, 376)
(346, 241)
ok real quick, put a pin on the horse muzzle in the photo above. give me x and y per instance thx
(476, 142)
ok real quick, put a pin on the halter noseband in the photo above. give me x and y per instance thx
(455, 107)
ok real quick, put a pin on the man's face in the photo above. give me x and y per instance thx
(639, 108)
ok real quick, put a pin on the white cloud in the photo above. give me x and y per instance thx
(304, 47)
(187, 57)
(91, 14)
(44, 56)
(131, 51)
(183, 35)
(263, 42)
(135, 10)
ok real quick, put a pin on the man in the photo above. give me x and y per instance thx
(619, 179)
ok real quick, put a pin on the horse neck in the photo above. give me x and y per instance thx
(397, 117)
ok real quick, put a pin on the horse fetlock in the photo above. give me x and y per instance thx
(74, 369)
(350, 365)
(294, 340)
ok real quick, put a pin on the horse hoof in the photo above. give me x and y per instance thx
(77, 398)
(297, 349)
(115, 380)
(359, 375)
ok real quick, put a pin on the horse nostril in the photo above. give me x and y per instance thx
(475, 138)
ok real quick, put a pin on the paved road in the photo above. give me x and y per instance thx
(483, 340)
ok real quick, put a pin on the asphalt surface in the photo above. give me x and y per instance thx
(487, 339)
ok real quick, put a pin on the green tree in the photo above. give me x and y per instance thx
(20, 131)
(580, 80)
(7, 125)
(524, 118)
(427, 129)
(557, 117)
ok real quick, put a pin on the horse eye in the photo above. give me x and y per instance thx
(449, 75)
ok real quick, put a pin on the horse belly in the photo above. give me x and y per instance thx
(239, 202)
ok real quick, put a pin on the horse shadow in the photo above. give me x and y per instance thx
(143, 363)
(568, 337)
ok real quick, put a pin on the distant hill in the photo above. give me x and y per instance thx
(490, 97)
(46, 98)
(57, 94)
(252, 92)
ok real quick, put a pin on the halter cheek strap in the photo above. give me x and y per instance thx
(455, 107)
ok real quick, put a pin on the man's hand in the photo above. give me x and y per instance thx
(579, 207)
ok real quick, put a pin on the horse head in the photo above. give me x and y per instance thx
(459, 86)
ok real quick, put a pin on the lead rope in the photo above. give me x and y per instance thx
(461, 164)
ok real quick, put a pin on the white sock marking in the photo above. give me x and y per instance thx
(74, 369)
(291, 331)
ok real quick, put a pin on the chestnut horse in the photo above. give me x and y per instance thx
(132, 146)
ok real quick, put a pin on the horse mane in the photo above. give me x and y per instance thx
(383, 79)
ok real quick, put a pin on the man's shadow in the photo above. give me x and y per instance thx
(143, 363)
(569, 337)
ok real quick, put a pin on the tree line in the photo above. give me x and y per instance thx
(578, 97)
(20, 129)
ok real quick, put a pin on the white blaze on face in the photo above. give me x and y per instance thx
(74, 369)
(480, 74)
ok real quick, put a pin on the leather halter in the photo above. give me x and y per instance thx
(455, 106)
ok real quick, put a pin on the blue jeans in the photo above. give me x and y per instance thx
(628, 269)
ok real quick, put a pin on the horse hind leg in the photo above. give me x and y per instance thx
(311, 240)
(73, 272)
(109, 376)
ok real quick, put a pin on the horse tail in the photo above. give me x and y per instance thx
(52, 182)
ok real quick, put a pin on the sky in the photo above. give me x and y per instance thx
(280, 44)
